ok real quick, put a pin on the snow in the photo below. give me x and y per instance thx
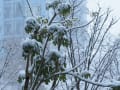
(52, 53)
(30, 69)
(108, 84)
(84, 73)
(23, 83)
(30, 44)
(21, 74)
(61, 29)
(52, 28)
(64, 8)
(62, 60)
(36, 58)
(52, 63)
(30, 20)
(53, 4)
(32, 24)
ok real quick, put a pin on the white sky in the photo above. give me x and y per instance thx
(112, 4)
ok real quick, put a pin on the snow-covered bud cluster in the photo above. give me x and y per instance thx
(64, 9)
(56, 61)
(30, 46)
(21, 76)
(60, 36)
(61, 30)
(85, 74)
(54, 4)
(56, 28)
(52, 29)
(31, 25)
(53, 55)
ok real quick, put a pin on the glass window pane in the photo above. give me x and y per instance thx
(19, 27)
(18, 10)
(1, 31)
(8, 30)
(8, 11)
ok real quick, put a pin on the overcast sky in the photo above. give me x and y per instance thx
(112, 4)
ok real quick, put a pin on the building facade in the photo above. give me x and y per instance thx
(12, 18)
(12, 15)
(37, 6)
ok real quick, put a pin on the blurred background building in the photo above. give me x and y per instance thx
(12, 15)
(37, 6)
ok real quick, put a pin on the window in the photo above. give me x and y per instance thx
(8, 11)
(17, 10)
(8, 28)
(1, 31)
(19, 27)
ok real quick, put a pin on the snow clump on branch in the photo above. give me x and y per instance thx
(30, 46)
(56, 28)
(85, 74)
(54, 4)
(21, 76)
(31, 25)
(64, 9)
